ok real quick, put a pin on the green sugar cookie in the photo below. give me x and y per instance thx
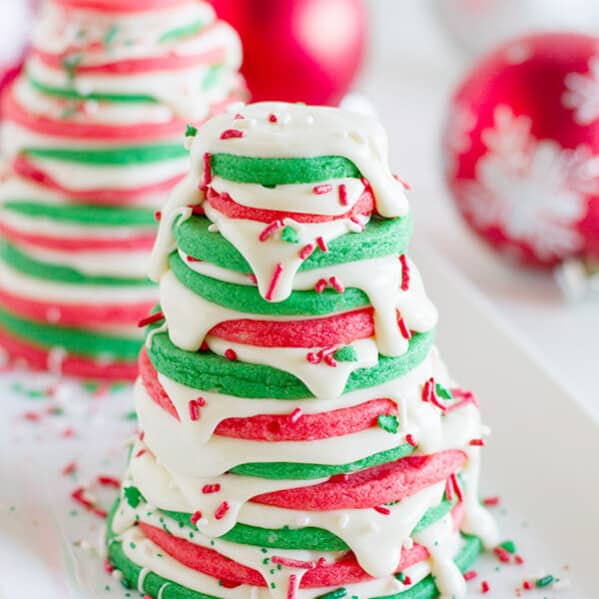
(301, 539)
(61, 274)
(246, 298)
(74, 341)
(381, 237)
(282, 171)
(117, 156)
(93, 216)
(71, 93)
(207, 371)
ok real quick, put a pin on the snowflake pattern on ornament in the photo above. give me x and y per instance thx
(534, 190)
(583, 94)
(456, 136)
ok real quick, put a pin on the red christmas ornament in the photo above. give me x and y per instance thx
(298, 50)
(522, 142)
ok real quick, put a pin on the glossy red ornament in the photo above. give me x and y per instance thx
(522, 148)
(298, 50)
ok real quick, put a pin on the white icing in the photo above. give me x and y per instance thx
(85, 177)
(294, 197)
(126, 263)
(72, 294)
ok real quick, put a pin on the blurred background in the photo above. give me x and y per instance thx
(432, 71)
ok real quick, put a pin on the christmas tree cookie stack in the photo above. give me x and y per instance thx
(93, 136)
(300, 436)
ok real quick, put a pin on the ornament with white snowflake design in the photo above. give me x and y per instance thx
(522, 148)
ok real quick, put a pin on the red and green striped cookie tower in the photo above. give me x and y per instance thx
(300, 436)
(93, 137)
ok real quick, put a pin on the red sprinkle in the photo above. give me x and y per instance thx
(312, 358)
(239, 116)
(152, 318)
(140, 453)
(502, 555)
(221, 510)
(108, 567)
(519, 559)
(293, 563)
(207, 489)
(232, 134)
(322, 244)
(204, 346)
(322, 189)
(201, 402)
(69, 468)
(198, 210)
(68, 432)
(410, 439)
(343, 194)
(192, 259)
(320, 285)
(32, 416)
(405, 184)
(272, 118)
(330, 361)
(382, 509)
(456, 487)
(157, 216)
(337, 286)
(491, 501)
(195, 517)
(142, 435)
(405, 273)
(252, 278)
(231, 355)
(306, 251)
(449, 490)
(207, 178)
(485, 587)
(477, 442)
(407, 581)
(194, 410)
(339, 478)
(292, 586)
(273, 282)
(78, 495)
(109, 481)
(296, 415)
(528, 585)
(270, 230)
(470, 574)
(403, 328)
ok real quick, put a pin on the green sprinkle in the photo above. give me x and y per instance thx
(388, 422)
(110, 35)
(211, 77)
(401, 577)
(545, 581)
(266, 560)
(130, 415)
(273, 585)
(132, 545)
(264, 550)
(289, 234)
(509, 546)
(443, 392)
(346, 354)
(133, 496)
(336, 594)
(71, 62)
(190, 130)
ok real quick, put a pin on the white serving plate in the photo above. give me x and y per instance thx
(541, 460)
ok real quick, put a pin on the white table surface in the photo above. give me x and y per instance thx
(410, 73)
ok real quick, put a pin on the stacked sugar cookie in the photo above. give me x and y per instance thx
(300, 436)
(93, 139)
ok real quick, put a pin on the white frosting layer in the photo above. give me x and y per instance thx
(68, 293)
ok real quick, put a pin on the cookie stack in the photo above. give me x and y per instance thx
(300, 436)
(93, 138)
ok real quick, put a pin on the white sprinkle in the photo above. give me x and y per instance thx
(213, 228)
